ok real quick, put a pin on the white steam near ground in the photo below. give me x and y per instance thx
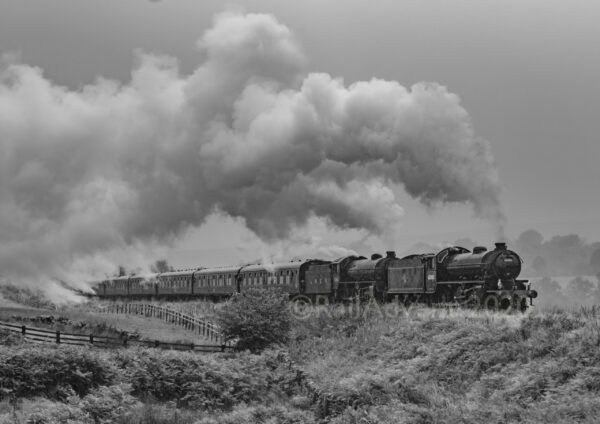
(250, 134)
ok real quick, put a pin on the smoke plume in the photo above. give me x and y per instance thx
(249, 133)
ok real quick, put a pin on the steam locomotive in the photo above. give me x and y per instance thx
(453, 275)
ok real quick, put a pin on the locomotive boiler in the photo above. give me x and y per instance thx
(497, 267)
(359, 276)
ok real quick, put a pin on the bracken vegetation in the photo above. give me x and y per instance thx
(455, 366)
(418, 366)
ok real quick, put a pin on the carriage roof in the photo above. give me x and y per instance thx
(222, 270)
(170, 274)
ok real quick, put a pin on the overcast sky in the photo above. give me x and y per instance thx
(526, 72)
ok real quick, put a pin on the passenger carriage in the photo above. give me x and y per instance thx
(279, 275)
(98, 288)
(299, 277)
(143, 285)
(175, 283)
(116, 287)
(216, 282)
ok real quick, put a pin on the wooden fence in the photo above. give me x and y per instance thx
(199, 326)
(51, 336)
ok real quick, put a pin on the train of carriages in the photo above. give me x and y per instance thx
(482, 277)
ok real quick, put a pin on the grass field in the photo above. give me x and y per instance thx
(102, 323)
(455, 366)
(387, 365)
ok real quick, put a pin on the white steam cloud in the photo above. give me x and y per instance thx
(249, 134)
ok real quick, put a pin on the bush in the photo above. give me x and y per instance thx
(52, 372)
(10, 338)
(106, 404)
(204, 382)
(256, 318)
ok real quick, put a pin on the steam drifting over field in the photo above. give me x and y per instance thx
(249, 133)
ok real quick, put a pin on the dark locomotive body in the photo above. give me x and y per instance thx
(453, 275)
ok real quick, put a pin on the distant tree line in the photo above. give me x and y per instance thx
(560, 255)
(580, 291)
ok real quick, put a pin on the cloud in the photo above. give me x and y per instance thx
(250, 133)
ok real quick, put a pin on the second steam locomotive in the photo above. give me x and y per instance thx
(455, 274)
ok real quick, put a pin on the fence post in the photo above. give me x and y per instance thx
(91, 338)
(191, 346)
(23, 330)
(57, 336)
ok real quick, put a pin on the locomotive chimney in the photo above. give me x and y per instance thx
(500, 246)
(390, 254)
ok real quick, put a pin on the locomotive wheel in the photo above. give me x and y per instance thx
(505, 303)
(523, 306)
(491, 302)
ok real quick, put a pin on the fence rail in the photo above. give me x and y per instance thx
(40, 335)
(199, 326)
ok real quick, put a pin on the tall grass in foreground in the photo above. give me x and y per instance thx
(419, 365)
(430, 365)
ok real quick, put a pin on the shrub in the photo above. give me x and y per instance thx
(106, 404)
(205, 382)
(256, 318)
(150, 413)
(10, 338)
(53, 372)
